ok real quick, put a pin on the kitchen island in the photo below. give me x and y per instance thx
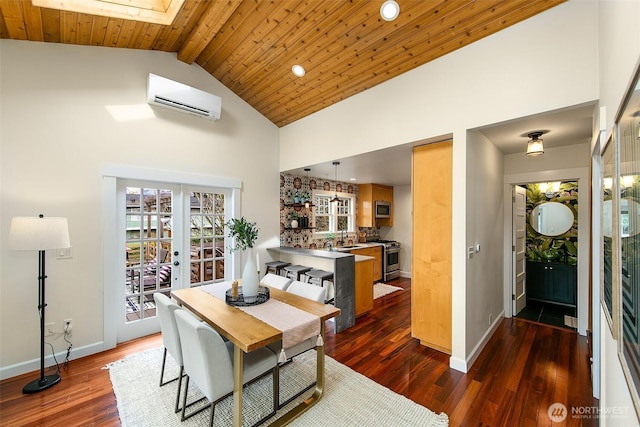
(342, 265)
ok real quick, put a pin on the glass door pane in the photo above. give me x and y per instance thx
(207, 251)
(148, 248)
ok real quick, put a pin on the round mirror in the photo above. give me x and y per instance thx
(551, 218)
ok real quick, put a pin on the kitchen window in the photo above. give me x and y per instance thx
(334, 217)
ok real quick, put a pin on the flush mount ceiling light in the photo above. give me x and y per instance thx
(389, 10)
(534, 146)
(154, 11)
(298, 70)
(335, 196)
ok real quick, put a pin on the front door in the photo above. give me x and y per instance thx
(519, 247)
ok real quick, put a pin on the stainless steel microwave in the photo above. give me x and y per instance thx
(383, 209)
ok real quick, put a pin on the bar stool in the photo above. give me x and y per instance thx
(276, 267)
(295, 272)
(323, 279)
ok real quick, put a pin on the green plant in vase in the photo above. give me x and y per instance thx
(294, 217)
(330, 237)
(244, 235)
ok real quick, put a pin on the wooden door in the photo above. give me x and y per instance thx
(432, 224)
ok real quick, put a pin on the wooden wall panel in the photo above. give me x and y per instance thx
(431, 267)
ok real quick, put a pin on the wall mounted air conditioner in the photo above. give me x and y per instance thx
(177, 96)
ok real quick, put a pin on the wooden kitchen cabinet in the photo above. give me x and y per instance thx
(364, 286)
(375, 252)
(367, 195)
(431, 276)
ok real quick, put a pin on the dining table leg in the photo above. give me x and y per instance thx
(306, 404)
(238, 362)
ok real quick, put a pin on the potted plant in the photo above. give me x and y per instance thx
(330, 237)
(244, 235)
(294, 216)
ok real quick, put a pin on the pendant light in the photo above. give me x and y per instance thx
(307, 202)
(534, 146)
(335, 196)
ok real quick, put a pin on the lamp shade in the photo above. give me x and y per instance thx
(38, 233)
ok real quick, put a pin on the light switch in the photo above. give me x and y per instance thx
(63, 253)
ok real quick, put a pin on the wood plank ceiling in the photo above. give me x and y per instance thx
(251, 45)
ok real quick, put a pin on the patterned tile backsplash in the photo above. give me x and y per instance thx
(304, 238)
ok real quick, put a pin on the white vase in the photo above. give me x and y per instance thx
(294, 223)
(250, 279)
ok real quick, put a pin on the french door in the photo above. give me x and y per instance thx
(170, 236)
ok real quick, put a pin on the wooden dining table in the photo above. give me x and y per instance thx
(247, 333)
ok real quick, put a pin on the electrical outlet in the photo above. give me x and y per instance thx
(49, 329)
(68, 326)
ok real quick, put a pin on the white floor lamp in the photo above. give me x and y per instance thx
(39, 234)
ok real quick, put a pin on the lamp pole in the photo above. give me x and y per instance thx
(45, 381)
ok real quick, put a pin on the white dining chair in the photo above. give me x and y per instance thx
(275, 281)
(209, 363)
(170, 338)
(307, 290)
(317, 294)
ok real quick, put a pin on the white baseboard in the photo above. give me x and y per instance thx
(406, 274)
(464, 365)
(34, 364)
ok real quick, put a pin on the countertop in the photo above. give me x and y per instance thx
(322, 253)
(357, 246)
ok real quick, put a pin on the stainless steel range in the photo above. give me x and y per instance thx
(391, 259)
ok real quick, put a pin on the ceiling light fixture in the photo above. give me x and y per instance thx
(298, 70)
(335, 196)
(534, 146)
(389, 10)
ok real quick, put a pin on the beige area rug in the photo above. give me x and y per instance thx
(350, 399)
(382, 289)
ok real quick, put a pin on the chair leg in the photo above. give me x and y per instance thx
(178, 392)
(164, 359)
(276, 388)
(184, 399)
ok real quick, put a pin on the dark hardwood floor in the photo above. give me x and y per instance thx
(523, 369)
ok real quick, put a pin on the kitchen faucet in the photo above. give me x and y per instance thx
(341, 238)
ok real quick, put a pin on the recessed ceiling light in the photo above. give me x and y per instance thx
(298, 70)
(389, 10)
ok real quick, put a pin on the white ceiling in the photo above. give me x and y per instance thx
(392, 166)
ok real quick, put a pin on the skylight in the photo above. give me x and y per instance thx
(154, 11)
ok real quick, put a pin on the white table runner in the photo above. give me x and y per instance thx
(296, 325)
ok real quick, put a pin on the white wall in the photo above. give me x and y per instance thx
(484, 288)
(402, 228)
(56, 133)
(565, 157)
(542, 64)
(619, 54)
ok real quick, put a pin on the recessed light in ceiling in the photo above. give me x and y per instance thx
(298, 70)
(389, 10)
